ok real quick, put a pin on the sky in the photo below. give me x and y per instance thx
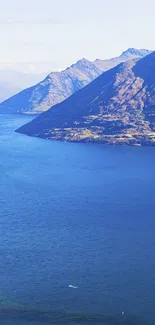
(47, 35)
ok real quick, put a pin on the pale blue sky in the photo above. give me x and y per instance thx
(38, 35)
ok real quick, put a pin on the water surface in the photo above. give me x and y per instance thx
(75, 214)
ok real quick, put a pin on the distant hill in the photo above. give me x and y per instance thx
(7, 90)
(12, 82)
(116, 108)
(58, 86)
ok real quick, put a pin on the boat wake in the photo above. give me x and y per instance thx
(73, 287)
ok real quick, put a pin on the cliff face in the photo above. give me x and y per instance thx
(117, 107)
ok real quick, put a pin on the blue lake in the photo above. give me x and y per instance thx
(80, 215)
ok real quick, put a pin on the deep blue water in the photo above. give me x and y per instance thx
(75, 214)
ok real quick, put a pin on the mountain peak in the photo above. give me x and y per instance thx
(133, 52)
(81, 64)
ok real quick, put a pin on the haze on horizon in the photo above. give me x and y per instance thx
(39, 36)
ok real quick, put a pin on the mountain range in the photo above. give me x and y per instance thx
(58, 86)
(118, 107)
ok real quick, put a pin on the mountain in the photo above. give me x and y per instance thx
(58, 86)
(129, 54)
(116, 108)
(12, 82)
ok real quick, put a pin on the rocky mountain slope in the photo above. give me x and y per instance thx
(57, 86)
(116, 108)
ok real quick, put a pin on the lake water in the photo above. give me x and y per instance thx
(80, 215)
